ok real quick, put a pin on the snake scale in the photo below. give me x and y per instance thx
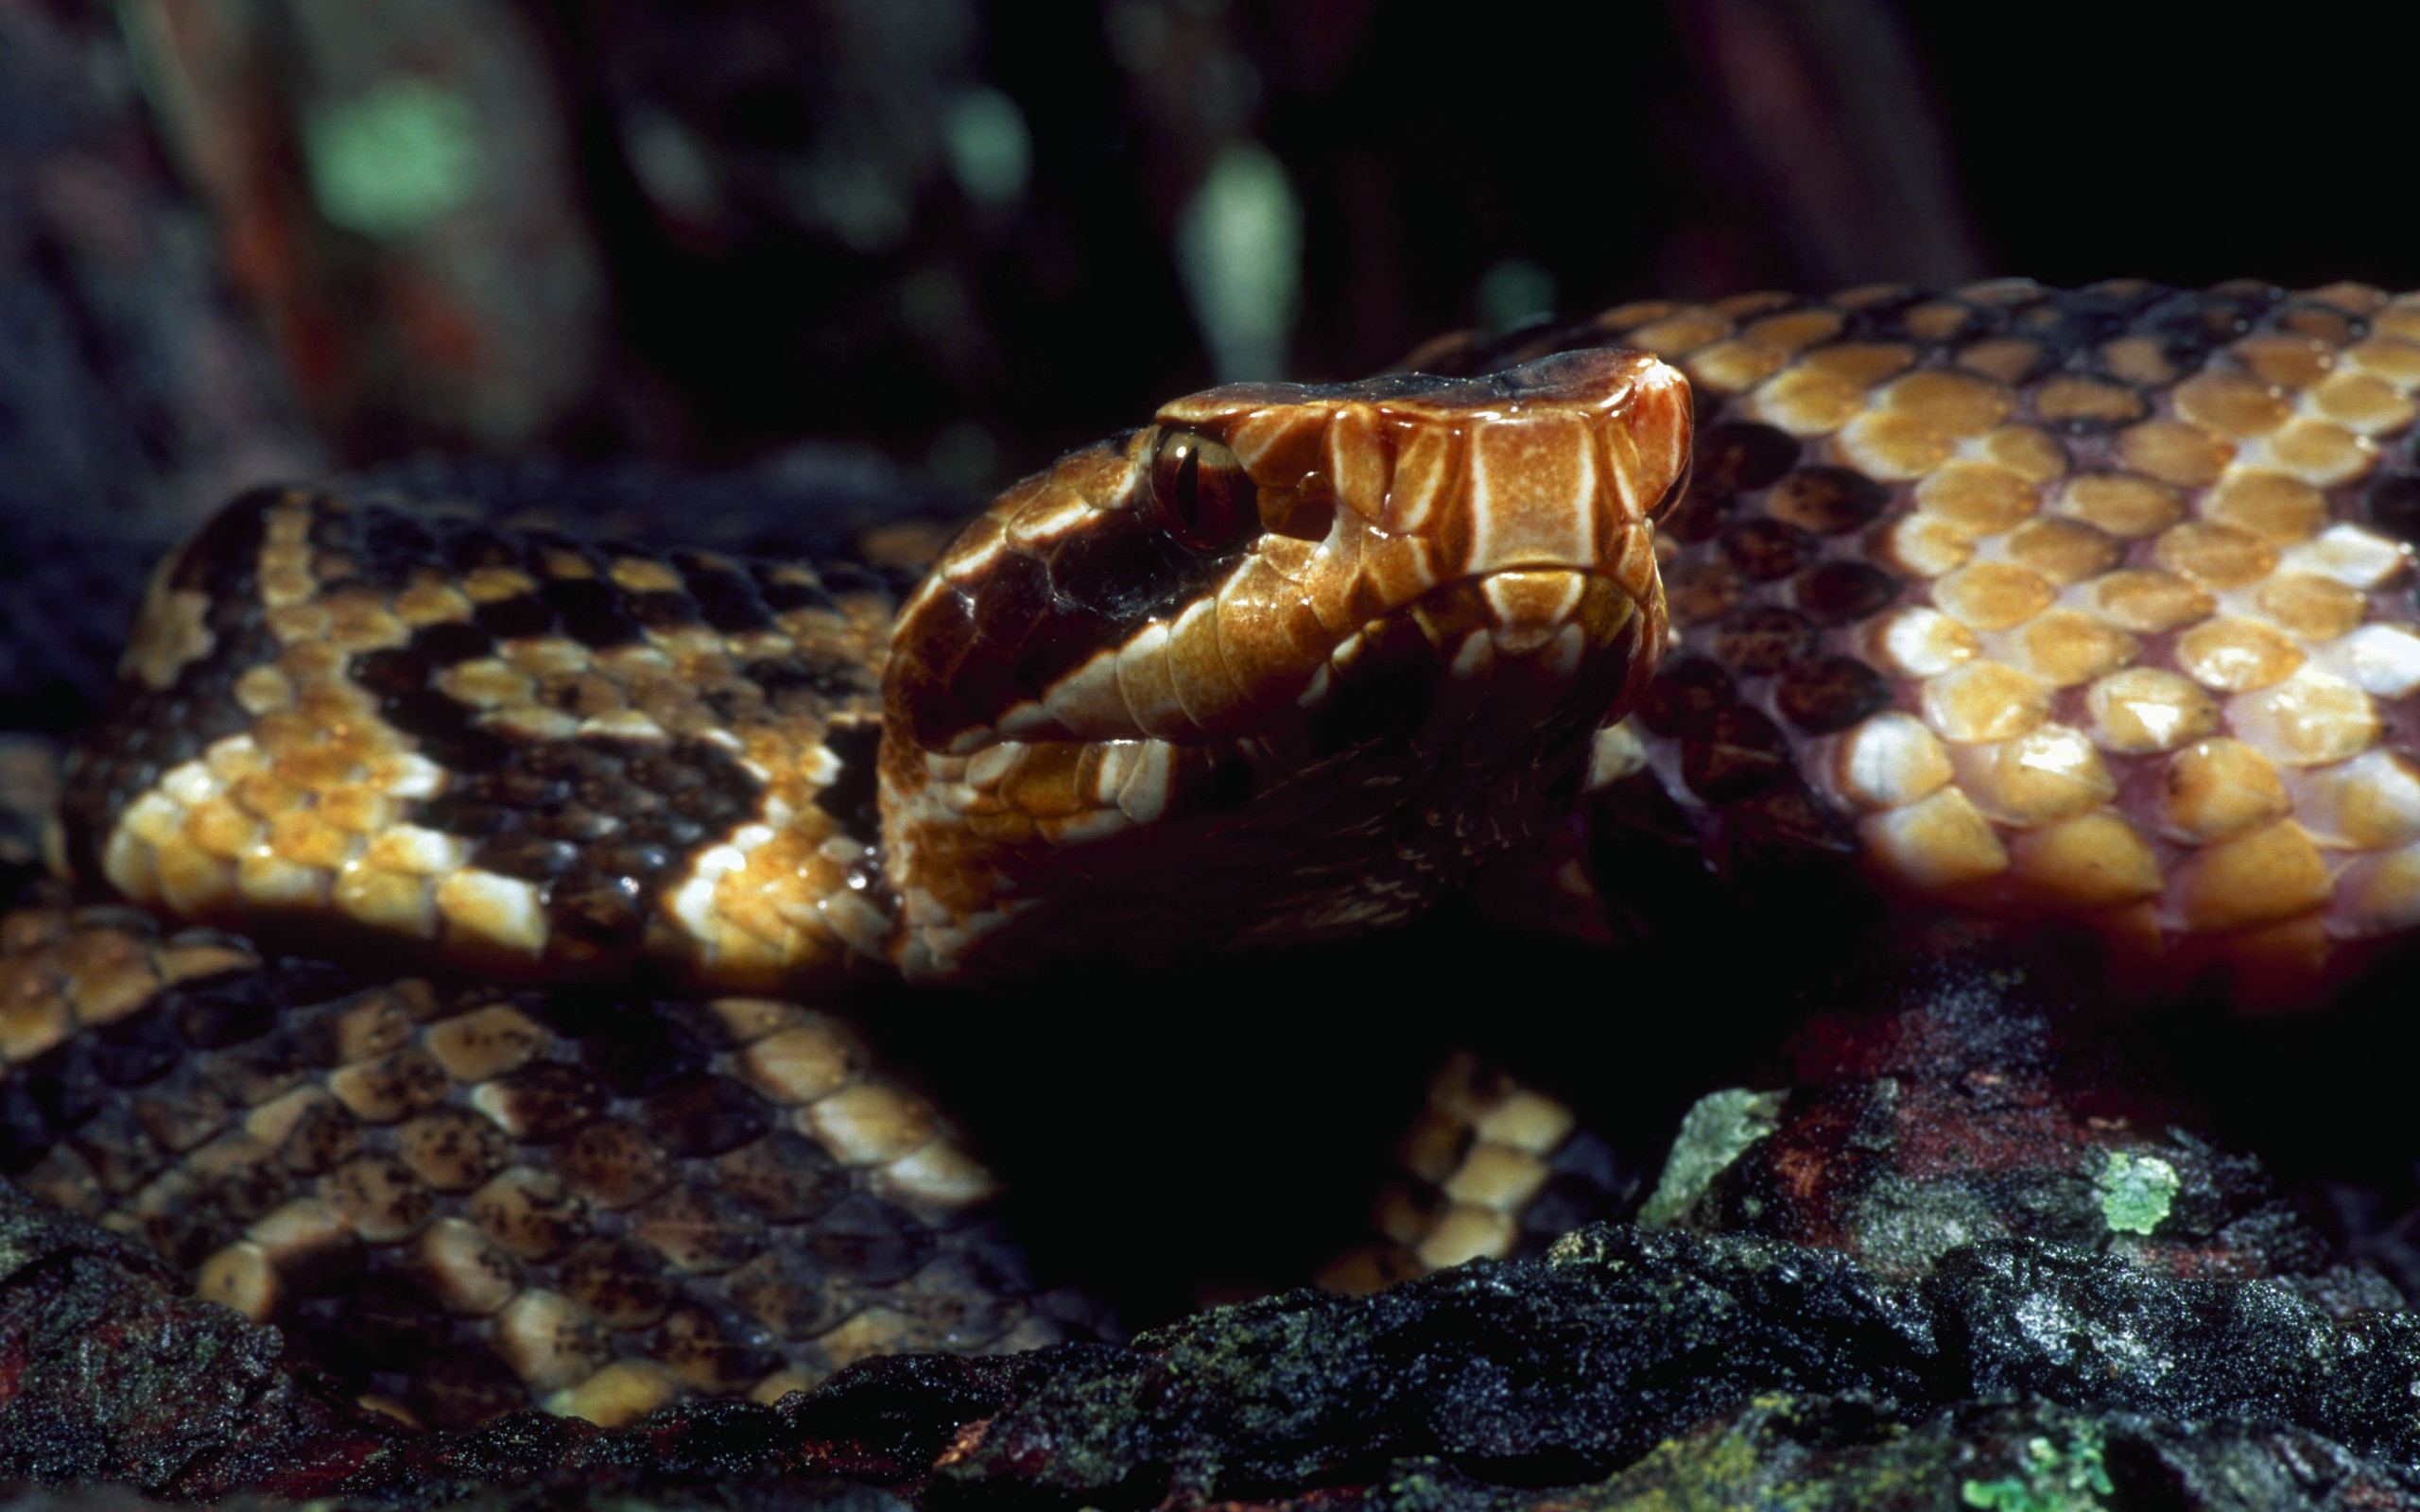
(2090, 605)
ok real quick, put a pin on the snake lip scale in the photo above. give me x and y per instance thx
(2089, 606)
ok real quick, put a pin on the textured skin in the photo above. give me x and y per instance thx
(2091, 605)
(543, 757)
(1103, 740)
(462, 1200)
(527, 755)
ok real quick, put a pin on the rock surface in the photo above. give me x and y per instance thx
(1965, 1261)
(1624, 1366)
(1969, 1257)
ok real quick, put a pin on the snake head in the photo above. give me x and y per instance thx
(1285, 663)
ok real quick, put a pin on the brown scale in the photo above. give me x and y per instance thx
(463, 1200)
(527, 753)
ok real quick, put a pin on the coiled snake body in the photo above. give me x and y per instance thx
(2091, 605)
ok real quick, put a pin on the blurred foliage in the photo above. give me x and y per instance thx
(973, 232)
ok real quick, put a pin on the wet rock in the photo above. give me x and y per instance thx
(1972, 1263)
(108, 1373)
(1958, 1088)
(1623, 1360)
(1814, 1453)
(1564, 1369)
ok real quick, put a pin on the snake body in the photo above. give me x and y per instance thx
(1189, 653)
(2087, 604)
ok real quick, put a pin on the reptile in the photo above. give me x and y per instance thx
(2087, 609)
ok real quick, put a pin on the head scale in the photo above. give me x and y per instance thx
(1287, 662)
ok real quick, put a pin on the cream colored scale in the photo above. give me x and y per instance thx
(2147, 674)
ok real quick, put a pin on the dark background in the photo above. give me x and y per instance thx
(706, 231)
(713, 237)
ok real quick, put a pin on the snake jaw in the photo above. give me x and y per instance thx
(1272, 597)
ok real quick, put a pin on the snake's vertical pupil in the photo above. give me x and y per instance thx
(1202, 493)
(1186, 497)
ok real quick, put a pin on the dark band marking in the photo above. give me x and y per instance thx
(854, 800)
(602, 826)
(1826, 696)
(516, 618)
(1741, 454)
(662, 609)
(2392, 505)
(388, 545)
(81, 1090)
(784, 590)
(1702, 512)
(1041, 616)
(450, 643)
(590, 612)
(1837, 593)
(1827, 500)
(1686, 693)
(390, 542)
(1767, 550)
(1788, 843)
(858, 577)
(826, 679)
(445, 728)
(2189, 326)
(468, 547)
(698, 1115)
(1762, 638)
(726, 596)
(1734, 753)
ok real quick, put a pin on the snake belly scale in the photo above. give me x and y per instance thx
(2086, 604)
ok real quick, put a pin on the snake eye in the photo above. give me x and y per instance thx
(1204, 497)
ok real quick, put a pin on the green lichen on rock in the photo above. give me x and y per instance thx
(1792, 1453)
(2055, 1479)
(1717, 1130)
(2136, 1192)
(1786, 1452)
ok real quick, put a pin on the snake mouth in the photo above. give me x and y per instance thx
(1513, 650)
(1520, 642)
(1424, 741)
(1245, 666)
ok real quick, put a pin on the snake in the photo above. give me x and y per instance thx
(2087, 609)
